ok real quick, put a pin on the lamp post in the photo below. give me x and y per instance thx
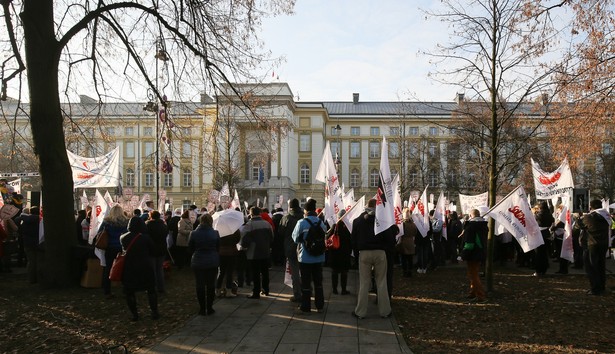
(338, 161)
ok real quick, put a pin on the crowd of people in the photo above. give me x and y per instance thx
(223, 263)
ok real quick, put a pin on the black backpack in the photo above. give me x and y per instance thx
(315, 240)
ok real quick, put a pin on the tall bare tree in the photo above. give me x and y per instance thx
(491, 60)
(113, 48)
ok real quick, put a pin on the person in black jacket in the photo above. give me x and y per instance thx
(339, 259)
(474, 251)
(594, 241)
(286, 227)
(28, 224)
(545, 219)
(371, 251)
(138, 272)
(158, 231)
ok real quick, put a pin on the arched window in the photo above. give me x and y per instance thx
(130, 177)
(355, 178)
(304, 174)
(373, 178)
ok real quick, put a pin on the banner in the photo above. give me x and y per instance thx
(16, 184)
(554, 184)
(469, 202)
(235, 204)
(514, 213)
(385, 210)
(420, 214)
(397, 205)
(95, 172)
(333, 198)
(567, 251)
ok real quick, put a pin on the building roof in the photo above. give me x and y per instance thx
(390, 108)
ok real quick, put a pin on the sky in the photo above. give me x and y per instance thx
(334, 48)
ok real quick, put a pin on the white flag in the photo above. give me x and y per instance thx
(225, 191)
(398, 205)
(99, 211)
(420, 214)
(552, 184)
(235, 203)
(440, 213)
(385, 208)
(567, 251)
(353, 212)
(515, 214)
(348, 199)
(84, 200)
(108, 199)
(333, 193)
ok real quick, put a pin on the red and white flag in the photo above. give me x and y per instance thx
(99, 211)
(397, 205)
(353, 212)
(567, 251)
(333, 193)
(84, 200)
(235, 202)
(440, 213)
(109, 199)
(348, 199)
(385, 209)
(552, 184)
(420, 214)
(514, 213)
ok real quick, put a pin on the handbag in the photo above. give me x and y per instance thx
(117, 268)
(102, 239)
(333, 242)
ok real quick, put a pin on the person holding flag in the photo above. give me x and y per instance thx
(474, 250)
(545, 219)
(594, 239)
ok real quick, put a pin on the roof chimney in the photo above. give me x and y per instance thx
(355, 98)
(459, 98)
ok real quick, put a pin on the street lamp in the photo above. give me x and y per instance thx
(338, 161)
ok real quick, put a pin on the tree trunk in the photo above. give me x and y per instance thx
(42, 60)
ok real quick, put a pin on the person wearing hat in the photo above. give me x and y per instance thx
(309, 264)
(339, 259)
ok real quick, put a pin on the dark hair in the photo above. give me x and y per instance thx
(136, 224)
(310, 205)
(256, 211)
(136, 212)
(294, 203)
(154, 215)
(595, 204)
(206, 219)
(185, 214)
(371, 203)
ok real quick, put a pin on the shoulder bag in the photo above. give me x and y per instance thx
(117, 269)
(102, 239)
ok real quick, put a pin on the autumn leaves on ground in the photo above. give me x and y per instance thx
(524, 314)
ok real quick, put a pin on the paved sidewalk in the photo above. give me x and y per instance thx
(272, 325)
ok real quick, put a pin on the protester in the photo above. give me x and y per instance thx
(204, 244)
(173, 225)
(423, 248)
(309, 264)
(184, 228)
(287, 226)
(557, 232)
(545, 220)
(228, 260)
(9, 246)
(370, 249)
(474, 251)
(437, 248)
(149, 207)
(158, 231)
(277, 247)
(138, 272)
(339, 259)
(405, 243)
(115, 223)
(256, 238)
(28, 224)
(81, 215)
(453, 230)
(595, 240)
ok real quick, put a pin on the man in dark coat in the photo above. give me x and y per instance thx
(474, 250)
(594, 241)
(286, 227)
(277, 247)
(158, 231)
(256, 238)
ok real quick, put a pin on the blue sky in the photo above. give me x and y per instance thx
(334, 48)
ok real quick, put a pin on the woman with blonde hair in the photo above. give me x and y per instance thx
(116, 224)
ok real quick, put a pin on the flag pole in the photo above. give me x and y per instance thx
(500, 202)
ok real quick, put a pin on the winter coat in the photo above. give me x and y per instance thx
(138, 269)
(286, 228)
(299, 235)
(173, 225)
(256, 238)
(114, 231)
(228, 244)
(158, 232)
(474, 230)
(204, 243)
(339, 259)
(28, 229)
(595, 230)
(363, 236)
(405, 245)
(184, 228)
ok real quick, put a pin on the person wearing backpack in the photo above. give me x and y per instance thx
(309, 234)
